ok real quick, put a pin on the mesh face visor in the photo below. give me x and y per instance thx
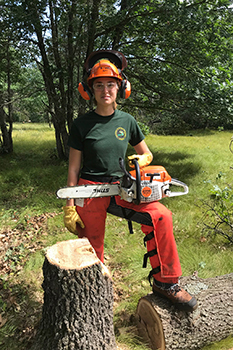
(116, 57)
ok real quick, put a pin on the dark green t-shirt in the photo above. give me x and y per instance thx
(103, 140)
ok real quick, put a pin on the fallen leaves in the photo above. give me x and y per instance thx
(16, 244)
(2, 321)
(20, 308)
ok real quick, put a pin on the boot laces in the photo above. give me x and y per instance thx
(175, 289)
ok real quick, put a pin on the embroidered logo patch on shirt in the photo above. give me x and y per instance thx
(120, 133)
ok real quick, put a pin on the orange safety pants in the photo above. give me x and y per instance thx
(158, 230)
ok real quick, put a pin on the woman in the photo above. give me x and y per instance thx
(97, 141)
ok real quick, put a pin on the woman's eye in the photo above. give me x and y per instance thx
(99, 86)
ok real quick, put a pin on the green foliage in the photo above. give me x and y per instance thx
(30, 97)
(173, 74)
(145, 128)
(179, 58)
(170, 125)
(218, 211)
(225, 344)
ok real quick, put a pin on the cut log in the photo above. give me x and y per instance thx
(164, 327)
(78, 300)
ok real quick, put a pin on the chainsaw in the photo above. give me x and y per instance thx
(141, 185)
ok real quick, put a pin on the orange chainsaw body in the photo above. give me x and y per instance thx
(159, 173)
(154, 178)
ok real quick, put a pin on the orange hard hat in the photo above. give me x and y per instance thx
(104, 69)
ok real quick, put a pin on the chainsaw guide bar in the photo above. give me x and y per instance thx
(88, 191)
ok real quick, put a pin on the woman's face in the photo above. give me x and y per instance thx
(105, 91)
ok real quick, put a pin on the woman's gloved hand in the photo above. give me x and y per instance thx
(71, 218)
(143, 159)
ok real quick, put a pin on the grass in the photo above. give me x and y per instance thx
(29, 179)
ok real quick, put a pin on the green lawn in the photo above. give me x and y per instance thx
(31, 219)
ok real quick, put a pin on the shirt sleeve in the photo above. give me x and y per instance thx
(75, 138)
(136, 133)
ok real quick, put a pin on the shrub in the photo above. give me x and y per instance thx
(218, 211)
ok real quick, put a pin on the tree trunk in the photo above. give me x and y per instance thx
(92, 24)
(10, 106)
(119, 30)
(57, 101)
(70, 63)
(6, 143)
(78, 300)
(164, 327)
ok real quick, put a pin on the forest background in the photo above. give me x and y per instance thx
(180, 66)
(179, 62)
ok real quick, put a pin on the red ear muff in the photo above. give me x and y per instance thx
(125, 89)
(84, 91)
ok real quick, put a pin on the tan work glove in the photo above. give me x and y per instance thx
(71, 217)
(143, 159)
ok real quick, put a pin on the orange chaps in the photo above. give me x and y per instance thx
(159, 238)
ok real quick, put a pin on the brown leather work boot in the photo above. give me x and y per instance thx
(178, 296)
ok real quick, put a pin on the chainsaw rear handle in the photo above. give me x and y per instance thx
(175, 182)
(130, 178)
(138, 182)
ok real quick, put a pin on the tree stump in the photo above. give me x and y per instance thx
(164, 327)
(78, 300)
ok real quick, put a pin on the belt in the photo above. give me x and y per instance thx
(100, 178)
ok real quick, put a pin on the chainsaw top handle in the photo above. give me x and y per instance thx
(122, 166)
(130, 178)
